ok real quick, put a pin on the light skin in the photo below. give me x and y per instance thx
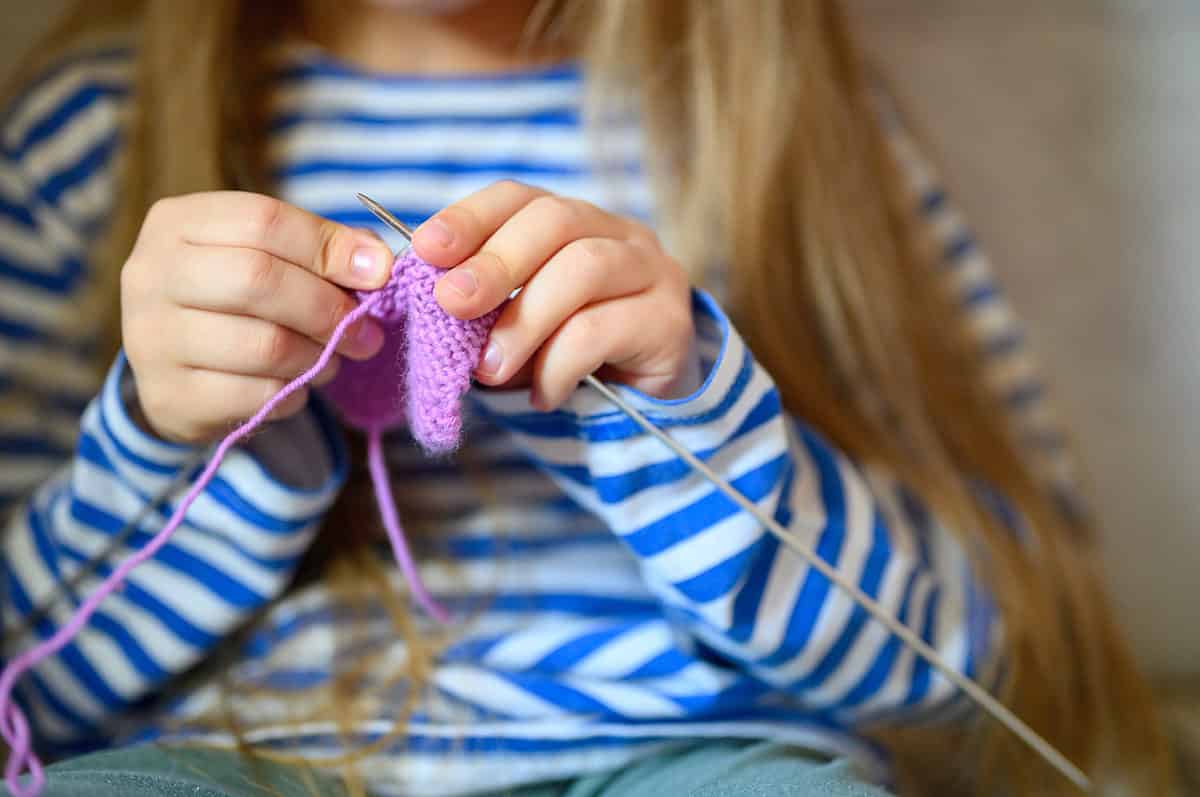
(228, 295)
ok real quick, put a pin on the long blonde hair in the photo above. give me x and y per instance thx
(769, 155)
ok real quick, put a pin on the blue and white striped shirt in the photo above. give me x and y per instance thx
(611, 602)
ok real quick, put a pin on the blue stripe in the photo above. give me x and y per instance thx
(60, 282)
(55, 704)
(84, 98)
(126, 453)
(70, 655)
(515, 168)
(22, 445)
(179, 627)
(550, 118)
(980, 294)
(557, 693)
(620, 487)
(567, 655)
(881, 668)
(91, 451)
(870, 581)
(92, 161)
(829, 548)
(714, 507)
(922, 669)
(669, 662)
(491, 547)
(718, 580)
(958, 249)
(317, 67)
(56, 399)
(203, 573)
(99, 56)
(17, 213)
(933, 201)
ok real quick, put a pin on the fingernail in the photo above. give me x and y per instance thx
(493, 357)
(369, 337)
(462, 280)
(367, 264)
(440, 232)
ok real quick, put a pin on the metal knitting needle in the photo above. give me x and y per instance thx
(971, 688)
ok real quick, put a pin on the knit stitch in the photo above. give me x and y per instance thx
(424, 367)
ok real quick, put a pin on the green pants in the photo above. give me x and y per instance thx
(709, 769)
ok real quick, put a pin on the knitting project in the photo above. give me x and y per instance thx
(419, 377)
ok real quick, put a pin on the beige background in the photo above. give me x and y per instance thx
(1069, 129)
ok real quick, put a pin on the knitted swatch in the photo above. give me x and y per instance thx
(419, 376)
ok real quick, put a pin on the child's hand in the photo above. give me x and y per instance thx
(227, 296)
(598, 290)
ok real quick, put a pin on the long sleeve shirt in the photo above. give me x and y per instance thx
(609, 601)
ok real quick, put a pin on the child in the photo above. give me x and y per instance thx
(619, 627)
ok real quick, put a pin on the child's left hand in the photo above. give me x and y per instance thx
(598, 293)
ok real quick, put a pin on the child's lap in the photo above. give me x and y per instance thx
(711, 769)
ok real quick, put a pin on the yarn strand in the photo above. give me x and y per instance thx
(14, 727)
(391, 524)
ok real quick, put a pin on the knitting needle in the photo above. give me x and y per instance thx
(971, 688)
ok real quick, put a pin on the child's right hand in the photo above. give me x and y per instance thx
(227, 296)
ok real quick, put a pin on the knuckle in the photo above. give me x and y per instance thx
(513, 187)
(331, 315)
(271, 347)
(592, 258)
(561, 215)
(583, 332)
(262, 216)
(260, 276)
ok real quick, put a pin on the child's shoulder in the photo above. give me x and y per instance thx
(60, 129)
(72, 100)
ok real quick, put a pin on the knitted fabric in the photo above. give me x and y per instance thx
(420, 375)
(424, 367)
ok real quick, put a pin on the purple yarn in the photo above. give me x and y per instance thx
(424, 367)
(420, 374)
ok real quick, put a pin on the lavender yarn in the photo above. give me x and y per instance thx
(424, 368)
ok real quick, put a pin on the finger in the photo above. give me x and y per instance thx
(585, 271)
(242, 345)
(328, 372)
(343, 255)
(239, 396)
(521, 246)
(251, 282)
(457, 231)
(617, 333)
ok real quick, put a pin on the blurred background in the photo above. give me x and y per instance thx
(1070, 132)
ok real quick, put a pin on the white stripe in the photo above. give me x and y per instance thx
(71, 142)
(628, 652)
(417, 100)
(49, 97)
(526, 646)
(627, 699)
(400, 190)
(479, 687)
(476, 143)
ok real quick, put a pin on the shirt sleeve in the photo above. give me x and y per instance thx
(77, 471)
(1000, 339)
(727, 580)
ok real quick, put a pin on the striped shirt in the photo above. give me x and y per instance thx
(610, 602)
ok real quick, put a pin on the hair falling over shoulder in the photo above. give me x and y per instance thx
(769, 155)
